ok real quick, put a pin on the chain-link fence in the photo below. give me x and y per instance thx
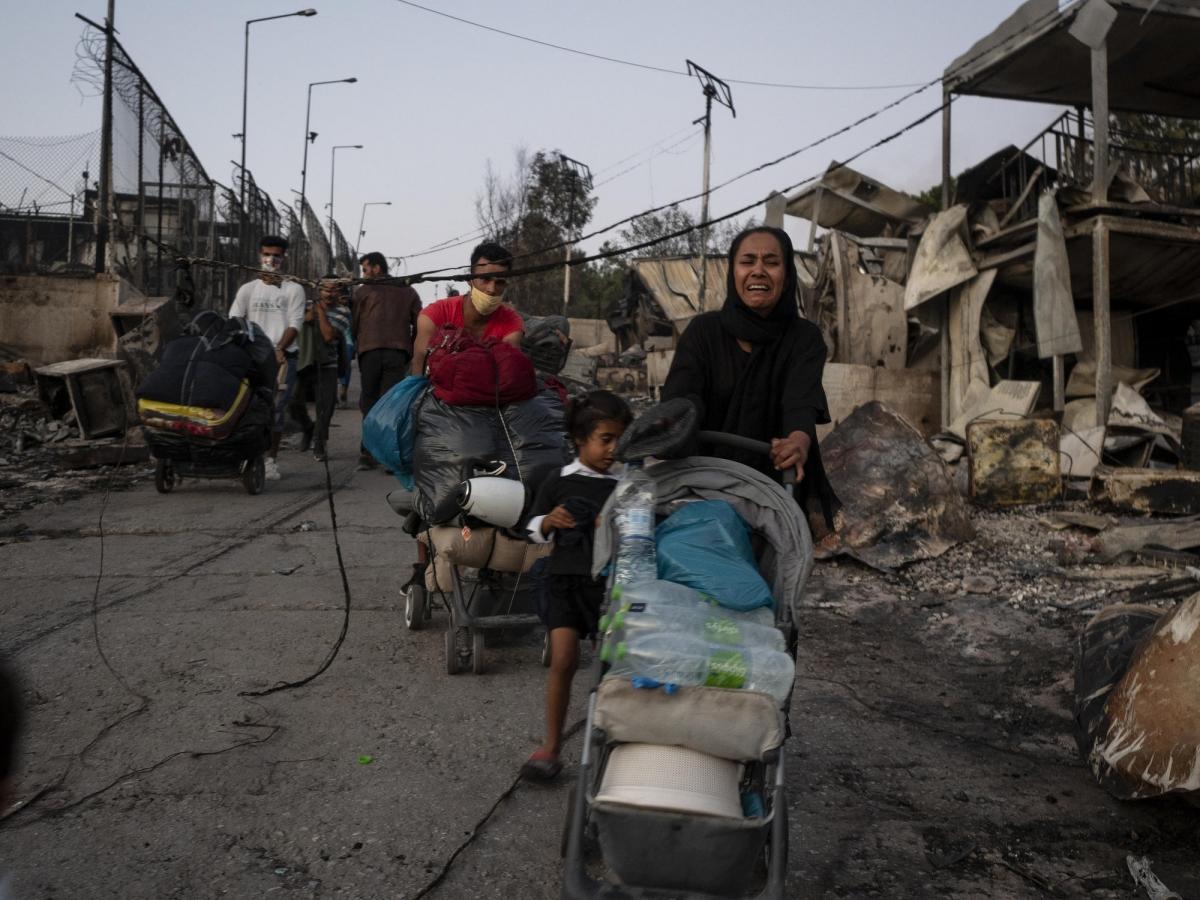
(320, 257)
(164, 203)
(45, 221)
(343, 254)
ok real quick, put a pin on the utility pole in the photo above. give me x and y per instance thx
(573, 169)
(714, 89)
(106, 141)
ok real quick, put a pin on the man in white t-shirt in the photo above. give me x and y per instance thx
(277, 307)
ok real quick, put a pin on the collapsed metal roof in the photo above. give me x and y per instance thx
(852, 202)
(1153, 58)
(674, 282)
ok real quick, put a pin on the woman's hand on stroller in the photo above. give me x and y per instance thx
(791, 452)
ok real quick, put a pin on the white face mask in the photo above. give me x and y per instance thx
(270, 263)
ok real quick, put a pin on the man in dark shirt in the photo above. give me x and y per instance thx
(385, 321)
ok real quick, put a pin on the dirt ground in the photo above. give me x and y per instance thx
(935, 739)
(932, 752)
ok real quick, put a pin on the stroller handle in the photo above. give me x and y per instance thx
(737, 442)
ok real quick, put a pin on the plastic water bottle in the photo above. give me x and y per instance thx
(658, 594)
(673, 658)
(639, 611)
(634, 513)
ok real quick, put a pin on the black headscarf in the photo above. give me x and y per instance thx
(743, 322)
(777, 364)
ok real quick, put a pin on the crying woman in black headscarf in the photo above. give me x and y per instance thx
(754, 368)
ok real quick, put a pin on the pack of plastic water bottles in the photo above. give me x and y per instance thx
(663, 634)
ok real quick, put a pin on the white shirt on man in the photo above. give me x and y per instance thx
(273, 308)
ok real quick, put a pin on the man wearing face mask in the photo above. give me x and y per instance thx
(385, 320)
(482, 312)
(277, 307)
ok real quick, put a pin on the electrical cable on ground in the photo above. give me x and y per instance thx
(477, 827)
(337, 645)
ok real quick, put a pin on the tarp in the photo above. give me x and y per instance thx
(528, 437)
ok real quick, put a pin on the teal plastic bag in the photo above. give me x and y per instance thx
(706, 546)
(389, 430)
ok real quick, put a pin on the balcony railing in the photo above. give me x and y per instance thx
(1167, 169)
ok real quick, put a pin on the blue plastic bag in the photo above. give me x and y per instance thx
(389, 430)
(706, 546)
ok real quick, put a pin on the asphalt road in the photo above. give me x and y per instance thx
(916, 768)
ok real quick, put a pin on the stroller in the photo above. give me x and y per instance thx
(654, 850)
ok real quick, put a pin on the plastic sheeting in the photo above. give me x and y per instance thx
(388, 431)
(528, 437)
(706, 546)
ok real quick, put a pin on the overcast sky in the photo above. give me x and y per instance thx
(436, 99)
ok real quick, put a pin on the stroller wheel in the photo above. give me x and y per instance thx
(254, 475)
(546, 650)
(477, 652)
(416, 606)
(164, 477)
(452, 665)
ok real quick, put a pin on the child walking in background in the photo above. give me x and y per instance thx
(565, 511)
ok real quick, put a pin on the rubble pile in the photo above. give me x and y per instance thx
(1014, 561)
(39, 454)
(26, 424)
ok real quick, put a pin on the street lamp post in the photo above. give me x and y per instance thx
(246, 85)
(332, 170)
(363, 218)
(309, 137)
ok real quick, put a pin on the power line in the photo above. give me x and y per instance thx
(655, 209)
(648, 67)
(474, 235)
(1031, 26)
(463, 271)
(433, 276)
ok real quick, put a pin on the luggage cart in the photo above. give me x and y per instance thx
(481, 576)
